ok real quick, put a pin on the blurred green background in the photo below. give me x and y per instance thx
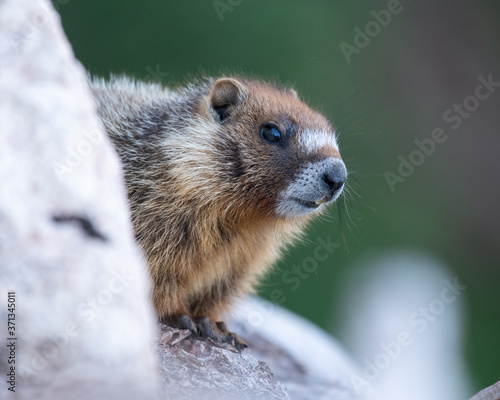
(394, 90)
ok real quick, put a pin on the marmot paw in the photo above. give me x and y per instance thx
(206, 328)
(218, 332)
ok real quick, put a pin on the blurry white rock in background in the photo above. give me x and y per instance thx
(402, 318)
(310, 363)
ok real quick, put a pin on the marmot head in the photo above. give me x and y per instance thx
(268, 153)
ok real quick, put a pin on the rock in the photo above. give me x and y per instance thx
(413, 307)
(82, 310)
(288, 357)
(307, 361)
(198, 368)
(490, 393)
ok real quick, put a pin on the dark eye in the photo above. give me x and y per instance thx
(271, 133)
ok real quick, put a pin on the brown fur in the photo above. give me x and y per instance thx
(203, 193)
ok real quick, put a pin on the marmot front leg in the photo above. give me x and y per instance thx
(199, 315)
(207, 308)
(180, 321)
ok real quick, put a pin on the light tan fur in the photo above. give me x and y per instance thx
(203, 193)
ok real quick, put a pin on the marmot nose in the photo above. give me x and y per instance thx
(335, 177)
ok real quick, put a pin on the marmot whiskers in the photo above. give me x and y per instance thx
(221, 175)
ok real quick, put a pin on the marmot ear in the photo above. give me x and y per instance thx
(226, 93)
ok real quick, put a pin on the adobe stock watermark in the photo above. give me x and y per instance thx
(30, 27)
(223, 6)
(454, 117)
(418, 321)
(298, 273)
(256, 317)
(293, 278)
(157, 74)
(86, 312)
(58, 3)
(363, 37)
(75, 155)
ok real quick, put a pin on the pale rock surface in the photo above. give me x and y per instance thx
(198, 368)
(490, 393)
(82, 307)
(310, 363)
(306, 362)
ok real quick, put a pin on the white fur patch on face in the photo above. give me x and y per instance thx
(313, 141)
(307, 193)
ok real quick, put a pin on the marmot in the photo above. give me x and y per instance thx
(221, 175)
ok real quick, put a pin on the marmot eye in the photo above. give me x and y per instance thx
(271, 133)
